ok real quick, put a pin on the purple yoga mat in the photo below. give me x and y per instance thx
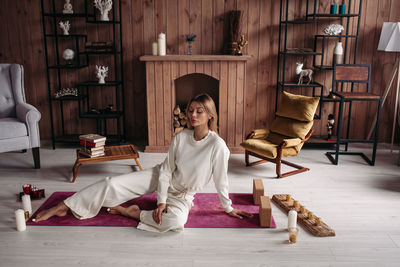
(206, 213)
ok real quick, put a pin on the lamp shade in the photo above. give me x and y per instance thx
(390, 37)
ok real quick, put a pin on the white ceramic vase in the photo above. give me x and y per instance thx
(338, 53)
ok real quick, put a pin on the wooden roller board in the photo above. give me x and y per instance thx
(310, 225)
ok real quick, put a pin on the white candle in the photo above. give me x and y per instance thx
(20, 220)
(155, 47)
(161, 44)
(26, 203)
(292, 219)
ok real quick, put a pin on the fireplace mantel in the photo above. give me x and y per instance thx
(161, 73)
(195, 58)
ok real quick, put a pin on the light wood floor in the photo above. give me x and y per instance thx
(361, 203)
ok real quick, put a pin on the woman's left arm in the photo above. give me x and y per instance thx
(220, 176)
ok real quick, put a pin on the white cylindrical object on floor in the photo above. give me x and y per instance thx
(26, 203)
(20, 220)
(162, 44)
(155, 48)
(292, 219)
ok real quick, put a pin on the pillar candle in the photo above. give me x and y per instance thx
(26, 203)
(161, 44)
(292, 219)
(20, 220)
(155, 49)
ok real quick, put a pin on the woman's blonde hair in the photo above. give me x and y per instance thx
(209, 106)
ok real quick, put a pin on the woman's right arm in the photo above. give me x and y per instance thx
(166, 170)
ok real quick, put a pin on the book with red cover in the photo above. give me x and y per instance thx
(91, 144)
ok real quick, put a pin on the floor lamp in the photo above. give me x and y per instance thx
(390, 42)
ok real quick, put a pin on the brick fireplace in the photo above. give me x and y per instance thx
(163, 73)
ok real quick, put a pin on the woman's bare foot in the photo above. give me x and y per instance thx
(60, 210)
(131, 211)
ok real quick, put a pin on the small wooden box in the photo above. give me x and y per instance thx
(265, 211)
(258, 190)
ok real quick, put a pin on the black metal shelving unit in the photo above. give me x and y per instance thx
(318, 52)
(85, 14)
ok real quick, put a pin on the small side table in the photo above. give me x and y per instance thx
(111, 153)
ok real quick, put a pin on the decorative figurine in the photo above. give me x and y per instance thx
(240, 45)
(331, 122)
(101, 73)
(68, 55)
(65, 26)
(104, 6)
(68, 7)
(334, 29)
(303, 73)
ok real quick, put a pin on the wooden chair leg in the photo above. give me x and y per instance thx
(36, 157)
(137, 162)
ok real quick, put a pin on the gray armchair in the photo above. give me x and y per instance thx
(19, 129)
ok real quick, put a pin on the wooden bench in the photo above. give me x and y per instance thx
(111, 153)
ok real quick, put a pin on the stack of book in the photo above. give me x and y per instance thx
(92, 145)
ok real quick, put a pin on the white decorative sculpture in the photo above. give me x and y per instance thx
(334, 29)
(65, 26)
(101, 73)
(68, 55)
(303, 73)
(68, 7)
(104, 6)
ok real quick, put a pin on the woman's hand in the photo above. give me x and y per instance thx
(157, 213)
(239, 214)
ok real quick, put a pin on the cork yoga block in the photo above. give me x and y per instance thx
(258, 190)
(265, 211)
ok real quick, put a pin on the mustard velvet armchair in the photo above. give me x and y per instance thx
(286, 135)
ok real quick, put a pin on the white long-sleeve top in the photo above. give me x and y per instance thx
(191, 164)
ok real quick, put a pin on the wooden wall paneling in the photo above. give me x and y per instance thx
(183, 25)
(199, 67)
(263, 63)
(206, 27)
(139, 83)
(207, 68)
(223, 101)
(167, 104)
(191, 67)
(252, 67)
(195, 19)
(149, 27)
(172, 27)
(232, 74)
(218, 26)
(160, 16)
(151, 103)
(159, 105)
(127, 46)
(240, 97)
(183, 68)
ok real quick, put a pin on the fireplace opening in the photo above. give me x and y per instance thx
(189, 86)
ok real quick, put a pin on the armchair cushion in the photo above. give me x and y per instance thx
(277, 139)
(290, 104)
(290, 127)
(269, 150)
(12, 128)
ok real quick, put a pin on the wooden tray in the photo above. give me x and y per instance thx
(323, 230)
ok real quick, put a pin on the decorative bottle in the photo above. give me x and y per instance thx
(338, 53)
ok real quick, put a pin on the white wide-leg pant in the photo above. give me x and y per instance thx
(113, 191)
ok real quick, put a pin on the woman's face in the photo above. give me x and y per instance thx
(197, 114)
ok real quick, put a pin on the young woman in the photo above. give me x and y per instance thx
(196, 155)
